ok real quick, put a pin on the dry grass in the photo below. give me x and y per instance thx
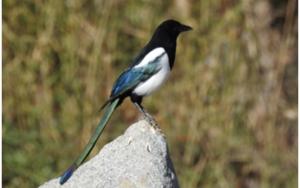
(229, 109)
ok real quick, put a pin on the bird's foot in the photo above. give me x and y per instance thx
(150, 120)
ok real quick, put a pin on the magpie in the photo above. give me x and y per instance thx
(147, 73)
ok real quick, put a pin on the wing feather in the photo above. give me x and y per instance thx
(132, 77)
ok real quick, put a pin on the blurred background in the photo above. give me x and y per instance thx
(229, 109)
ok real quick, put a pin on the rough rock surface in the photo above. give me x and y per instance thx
(138, 158)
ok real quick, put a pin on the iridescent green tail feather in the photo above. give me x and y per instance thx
(88, 148)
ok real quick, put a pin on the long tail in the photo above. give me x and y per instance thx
(88, 148)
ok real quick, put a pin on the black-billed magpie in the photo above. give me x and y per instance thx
(147, 73)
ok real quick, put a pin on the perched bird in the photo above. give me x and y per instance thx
(147, 73)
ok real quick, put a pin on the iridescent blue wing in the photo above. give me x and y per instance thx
(130, 78)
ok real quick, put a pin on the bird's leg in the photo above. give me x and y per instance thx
(147, 116)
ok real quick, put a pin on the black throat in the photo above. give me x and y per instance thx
(160, 39)
(167, 41)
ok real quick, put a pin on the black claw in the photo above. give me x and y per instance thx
(150, 119)
(147, 116)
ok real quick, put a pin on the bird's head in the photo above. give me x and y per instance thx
(172, 28)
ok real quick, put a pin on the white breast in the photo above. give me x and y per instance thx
(159, 78)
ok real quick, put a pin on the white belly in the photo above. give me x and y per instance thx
(156, 80)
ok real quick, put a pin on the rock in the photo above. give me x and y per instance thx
(138, 158)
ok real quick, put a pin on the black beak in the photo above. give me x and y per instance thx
(184, 28)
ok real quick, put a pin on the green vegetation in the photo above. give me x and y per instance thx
(229, 109)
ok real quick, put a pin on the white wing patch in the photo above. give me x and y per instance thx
(156, 52)
(154, 82)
